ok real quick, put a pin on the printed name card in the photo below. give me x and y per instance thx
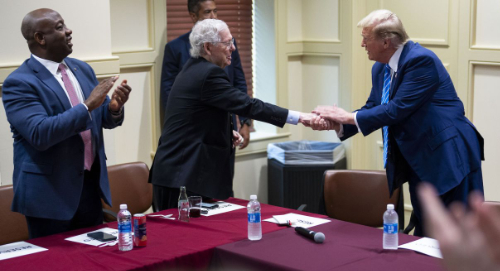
(17, 249)
(300, 220)
(426, 246)
(224, 207)
(84, 239)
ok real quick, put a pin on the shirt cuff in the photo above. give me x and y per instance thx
(293, 117)
(87, 108)
(340, 133)
(116, 116)
(355, 121)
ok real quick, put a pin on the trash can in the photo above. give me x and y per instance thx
(295, 172)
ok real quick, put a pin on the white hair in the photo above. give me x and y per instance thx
(204, 31)
(385, 25)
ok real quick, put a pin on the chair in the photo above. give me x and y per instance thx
(360, 196)
(128, 184)
(13, 225)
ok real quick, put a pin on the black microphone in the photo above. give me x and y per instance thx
(318, 237)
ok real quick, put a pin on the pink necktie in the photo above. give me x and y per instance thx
(86, 135)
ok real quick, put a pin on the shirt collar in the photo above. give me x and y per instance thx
(49, 64)
(393, 62)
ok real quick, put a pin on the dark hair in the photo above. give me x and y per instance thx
(193, 5)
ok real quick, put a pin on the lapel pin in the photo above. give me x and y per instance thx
(74, 69)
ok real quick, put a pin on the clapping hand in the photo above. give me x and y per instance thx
(468, 240)
(120, 96)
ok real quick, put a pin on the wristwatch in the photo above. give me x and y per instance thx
(246, 121)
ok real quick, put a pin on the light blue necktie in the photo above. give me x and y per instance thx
(385, 99)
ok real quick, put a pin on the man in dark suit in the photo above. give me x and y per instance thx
(426, 136)
(57, 109)
(195, 146)
(177, 54)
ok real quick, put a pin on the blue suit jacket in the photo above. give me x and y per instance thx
(427, 125)
(48, 148)
(177, 54)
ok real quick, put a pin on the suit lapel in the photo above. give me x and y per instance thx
(48, 79)
(396, 80)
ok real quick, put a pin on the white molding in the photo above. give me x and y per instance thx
(103, 67)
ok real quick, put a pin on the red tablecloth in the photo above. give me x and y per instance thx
(347, 246)
(171, 244)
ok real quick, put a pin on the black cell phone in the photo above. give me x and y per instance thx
(101, 236)
(209, 205)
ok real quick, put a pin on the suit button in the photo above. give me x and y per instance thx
(81, 172)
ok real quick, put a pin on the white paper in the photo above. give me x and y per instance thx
(18, 249)
(84, 239)
(426, 246)
(224, 207)
(301, 220)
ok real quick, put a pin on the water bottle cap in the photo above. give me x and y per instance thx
(253, 197)
(390, 206)
(123, 206)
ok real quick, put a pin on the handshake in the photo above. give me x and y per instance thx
(325, 117)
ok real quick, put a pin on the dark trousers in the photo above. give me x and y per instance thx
(472, 182)
(89, 212)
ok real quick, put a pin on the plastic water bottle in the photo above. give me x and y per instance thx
(124, 229)
(254, 226)
(390, 228)
(183, 205)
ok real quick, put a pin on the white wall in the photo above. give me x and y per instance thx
(91, 37)
(486, 97)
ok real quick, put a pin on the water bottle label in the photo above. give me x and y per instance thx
(124, 227)
(391, 228)
(254, 218)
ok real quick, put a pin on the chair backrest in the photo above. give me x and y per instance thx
(129, 184)
(358, 196)
(13, 225)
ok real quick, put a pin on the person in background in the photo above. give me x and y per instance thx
(177, 54)
(194, 149)
(57, 109)
(425, 133)
(468, 240)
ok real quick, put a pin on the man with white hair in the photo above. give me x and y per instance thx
(426, 136)
(194, 149)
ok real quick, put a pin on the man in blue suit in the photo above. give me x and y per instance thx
(427, 137)
(177, 54)
(57, 109)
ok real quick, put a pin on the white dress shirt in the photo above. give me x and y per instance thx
(53, 68)
(393, 64)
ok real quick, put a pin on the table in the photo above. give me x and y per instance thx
(347, 246)
(171, 244)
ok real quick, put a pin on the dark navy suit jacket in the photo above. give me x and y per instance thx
(177, 54)
(48, 149)
(195, 146)
(426, 119)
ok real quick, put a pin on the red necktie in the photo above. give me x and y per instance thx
(86, 135)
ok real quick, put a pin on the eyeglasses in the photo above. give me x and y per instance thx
(228, 44)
